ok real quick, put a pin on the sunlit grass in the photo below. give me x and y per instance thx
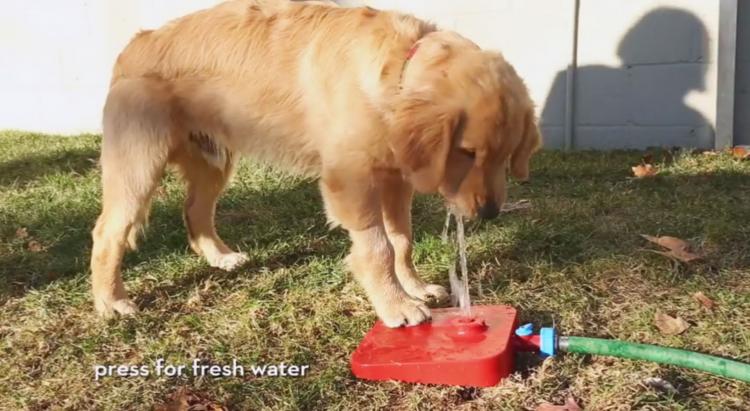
(576, 258)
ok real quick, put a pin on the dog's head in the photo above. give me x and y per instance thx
(462, 121)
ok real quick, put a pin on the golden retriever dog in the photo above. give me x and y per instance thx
(375, 104)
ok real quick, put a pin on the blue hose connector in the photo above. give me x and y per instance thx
(525, 330)
(548, 341)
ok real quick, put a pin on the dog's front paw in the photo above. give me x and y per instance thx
(108, 308)
(429, 293)
(228, 262)
(402, 311)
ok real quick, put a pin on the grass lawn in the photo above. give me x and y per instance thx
(575, 258)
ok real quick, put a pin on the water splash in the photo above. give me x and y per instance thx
(459, 287)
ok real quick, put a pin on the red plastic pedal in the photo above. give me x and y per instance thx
(453, 349)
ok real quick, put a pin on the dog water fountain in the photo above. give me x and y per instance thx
(475, 346)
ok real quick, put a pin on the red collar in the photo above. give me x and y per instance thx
(409, 55)
(412, 51)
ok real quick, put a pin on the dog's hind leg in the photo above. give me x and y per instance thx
(207, 167)
(135, 147)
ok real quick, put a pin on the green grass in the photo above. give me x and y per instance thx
(576, 259)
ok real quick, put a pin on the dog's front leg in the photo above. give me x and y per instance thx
(354, 203)
(396, 198)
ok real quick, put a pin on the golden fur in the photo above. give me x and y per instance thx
(319, 90)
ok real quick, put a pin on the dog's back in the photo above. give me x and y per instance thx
(271, 78)
(260, 40)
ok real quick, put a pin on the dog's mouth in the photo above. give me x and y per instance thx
(487, 211)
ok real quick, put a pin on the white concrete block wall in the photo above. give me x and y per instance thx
(58, 59)
(742, 92)
(646, 73)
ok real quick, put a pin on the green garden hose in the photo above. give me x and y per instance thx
(681, 358)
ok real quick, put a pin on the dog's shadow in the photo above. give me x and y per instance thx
(285, 222)
(278, 227)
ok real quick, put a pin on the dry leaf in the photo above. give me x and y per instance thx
(678, 249)
(184, 400)
(672, 243)
(35, 247)
(644, 170)
(682, 255)
(660, 384)
(570, 405)
(669, 325)
(22, 233)
(648, 159)
(741, 152)
(518, 205)
(703, 300)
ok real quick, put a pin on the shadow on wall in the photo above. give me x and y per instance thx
(742, 76)
(641, 103)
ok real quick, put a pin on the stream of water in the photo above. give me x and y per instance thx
(459, 287)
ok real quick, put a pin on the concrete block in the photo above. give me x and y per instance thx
(553, 112)
(629, 89)
(632, 137)
(647, 31)
(742, 76)
(665, 35)
(553, 137)
(656, 94)
(602, 95)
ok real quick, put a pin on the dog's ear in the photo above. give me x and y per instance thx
(421, 140)
(531, 141)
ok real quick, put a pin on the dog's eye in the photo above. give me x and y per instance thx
(467, 152)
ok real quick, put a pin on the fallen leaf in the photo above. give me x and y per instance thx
(184, 400)
(35, 247)
(684, 256)
(669, 325)
(673, 243)
(660, 384)
(678, 249)
(644, 170)
(22, 233)
(570, 405)
(703, 300)
(518, 205)
(741, 152)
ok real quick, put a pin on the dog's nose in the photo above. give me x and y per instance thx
(489, 210)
